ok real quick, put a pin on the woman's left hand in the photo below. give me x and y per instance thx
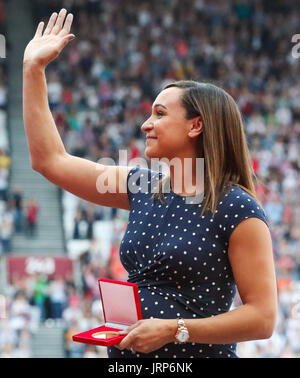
(148, 335)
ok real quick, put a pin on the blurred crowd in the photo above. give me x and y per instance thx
(5, 213)
(101, 90)
(38, 298)
(16, 213)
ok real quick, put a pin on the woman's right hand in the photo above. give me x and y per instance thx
(46, 46)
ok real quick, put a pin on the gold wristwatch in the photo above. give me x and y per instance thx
(182, 334)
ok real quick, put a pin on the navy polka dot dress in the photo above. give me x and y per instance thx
(179, 259)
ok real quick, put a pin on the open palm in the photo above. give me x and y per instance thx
(46, 46)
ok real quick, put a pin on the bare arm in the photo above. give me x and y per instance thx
(251, 258)
(42, 136)
(47, 152)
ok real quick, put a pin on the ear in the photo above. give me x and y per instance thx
(196, 127)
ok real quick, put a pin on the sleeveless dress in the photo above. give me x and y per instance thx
(179, 259)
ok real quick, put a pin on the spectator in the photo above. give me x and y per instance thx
(3, 184)
(40, 292)
(17, 198)
(4, 159)
(6, 228)
(32, 216)
(57, 297)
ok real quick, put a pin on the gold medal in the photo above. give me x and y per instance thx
(105, 334)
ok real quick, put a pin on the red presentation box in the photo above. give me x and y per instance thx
(121, 308)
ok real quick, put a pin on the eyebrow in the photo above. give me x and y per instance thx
(156, 105)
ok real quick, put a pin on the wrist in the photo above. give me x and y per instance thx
(32, 66)
(172, 326)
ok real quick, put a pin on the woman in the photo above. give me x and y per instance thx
(186, 257)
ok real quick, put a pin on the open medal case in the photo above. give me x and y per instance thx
(121, 308)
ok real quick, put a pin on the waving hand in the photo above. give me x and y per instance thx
(46, 46)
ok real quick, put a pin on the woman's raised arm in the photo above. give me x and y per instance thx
(42, 136)
(47, 152)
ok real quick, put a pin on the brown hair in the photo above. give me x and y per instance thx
(222, 143)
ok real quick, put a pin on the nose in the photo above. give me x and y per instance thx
(147, 126)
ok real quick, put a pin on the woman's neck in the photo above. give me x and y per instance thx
(187, 176)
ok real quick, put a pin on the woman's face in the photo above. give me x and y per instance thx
(167, 128)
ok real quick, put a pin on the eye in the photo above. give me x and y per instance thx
(160, 114)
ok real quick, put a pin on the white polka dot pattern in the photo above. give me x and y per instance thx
(179, 258)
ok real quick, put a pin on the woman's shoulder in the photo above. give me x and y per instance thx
(143, 170)
(235, 197)
(142, 173)
(236, 205)
(142, 179)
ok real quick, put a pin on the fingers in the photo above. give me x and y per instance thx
(39, 30)
(129, 329)
(59, 21)
(126, 342)
(68, 23)
(51, 23)
(66, 40)
(129, 339)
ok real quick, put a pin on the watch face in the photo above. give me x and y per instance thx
(183, 336)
